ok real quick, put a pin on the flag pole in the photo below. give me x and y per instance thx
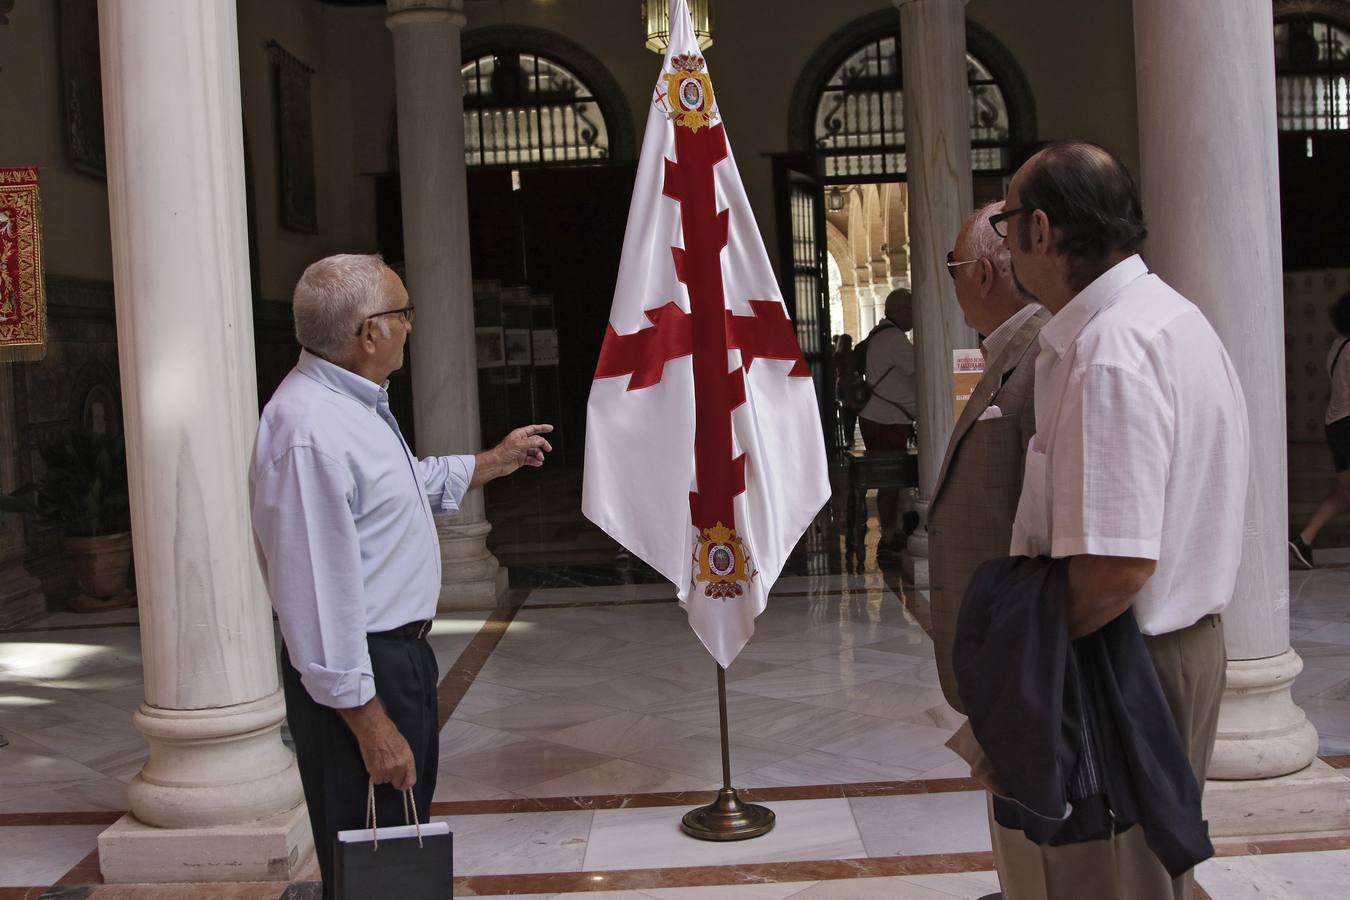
(727, 818)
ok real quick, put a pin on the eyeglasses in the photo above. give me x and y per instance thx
(999, 222)
(953, 263)
(406, 312)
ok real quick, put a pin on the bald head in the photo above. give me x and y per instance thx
(985, 289)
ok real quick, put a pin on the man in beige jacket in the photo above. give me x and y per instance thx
(970, 518)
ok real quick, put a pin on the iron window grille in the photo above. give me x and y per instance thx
(860, 123)
(523, 109)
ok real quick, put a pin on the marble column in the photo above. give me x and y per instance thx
(866, 296)
(1210, 179)
(848, 297)
(219, 798)
(881, 273)
(21, 597)
(436, 241)
(937, 160)
(899, 243)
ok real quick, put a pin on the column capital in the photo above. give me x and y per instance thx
(421, 12)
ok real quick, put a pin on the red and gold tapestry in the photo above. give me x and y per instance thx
(23, 302)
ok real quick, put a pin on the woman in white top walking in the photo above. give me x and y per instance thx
(1338, 436)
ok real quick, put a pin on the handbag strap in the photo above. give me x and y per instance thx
(370, 813)
(408, 803)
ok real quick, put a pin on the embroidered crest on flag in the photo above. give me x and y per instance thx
(722, 565)
(689, 91)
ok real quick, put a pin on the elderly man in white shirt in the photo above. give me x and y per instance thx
(1137, 472)
(342, 520)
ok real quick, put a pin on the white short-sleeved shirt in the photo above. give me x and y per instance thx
(890, 371)
(1141, 445)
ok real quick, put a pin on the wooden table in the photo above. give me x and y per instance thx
(866, 470)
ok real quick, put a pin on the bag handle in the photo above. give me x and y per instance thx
(408, 802)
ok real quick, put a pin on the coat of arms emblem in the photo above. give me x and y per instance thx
(689, 92)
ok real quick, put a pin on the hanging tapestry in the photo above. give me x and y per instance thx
(23, 302)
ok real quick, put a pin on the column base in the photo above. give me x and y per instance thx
(215, 766)
(1262, 734)
(275, 849)
(471, 577)
(473, 595)
(1316, 798)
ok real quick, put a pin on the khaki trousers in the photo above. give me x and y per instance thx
(1190, 665)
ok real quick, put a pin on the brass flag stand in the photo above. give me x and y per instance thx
(727, 818)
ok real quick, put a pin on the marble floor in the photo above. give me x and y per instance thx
(589, 725)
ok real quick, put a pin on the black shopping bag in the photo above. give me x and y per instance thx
(410, 862)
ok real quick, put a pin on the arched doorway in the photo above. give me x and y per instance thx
(848, 104)
(550, 154)
(842, 197)
(1312, 108)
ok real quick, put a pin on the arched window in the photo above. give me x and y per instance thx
(851, 97)
(523, 109)
(534, 98)
(1312, 74)
(860, 121)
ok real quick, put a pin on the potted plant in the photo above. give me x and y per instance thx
(83, 489)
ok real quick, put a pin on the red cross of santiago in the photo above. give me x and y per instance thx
(708, 331)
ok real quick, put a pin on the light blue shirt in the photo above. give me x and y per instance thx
(342, 520)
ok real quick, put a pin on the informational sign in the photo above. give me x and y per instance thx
(490, 343)
(967, 370)
(517, 346)
(545, 346)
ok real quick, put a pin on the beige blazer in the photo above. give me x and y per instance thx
(970, 517)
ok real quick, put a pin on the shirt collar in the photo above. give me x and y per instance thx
(342, 381)
(1065, 325)
(998, 338)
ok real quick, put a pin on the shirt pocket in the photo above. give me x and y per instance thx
(1031, 528)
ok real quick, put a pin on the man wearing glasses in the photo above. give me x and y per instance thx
(970, 517)
(342, 520)
(1137, 473)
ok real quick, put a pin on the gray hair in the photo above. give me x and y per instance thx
(333, 297)
(984, 242)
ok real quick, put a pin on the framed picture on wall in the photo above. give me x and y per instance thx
(518, 346)
(82, 85)
(295, 140)
(490, 344)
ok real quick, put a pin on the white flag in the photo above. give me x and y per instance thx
(704, 453)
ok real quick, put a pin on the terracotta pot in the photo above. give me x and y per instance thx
(101, 565)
